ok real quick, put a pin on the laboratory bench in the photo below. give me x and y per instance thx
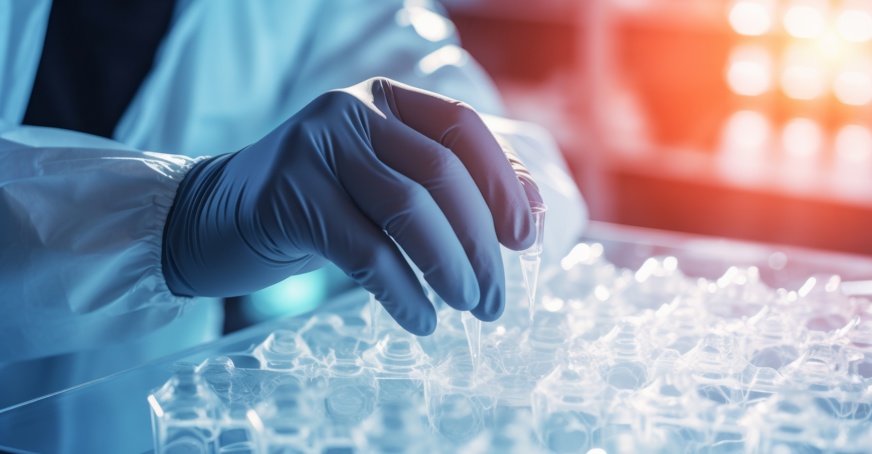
(619, 282)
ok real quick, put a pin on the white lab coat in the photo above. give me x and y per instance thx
(81, 218)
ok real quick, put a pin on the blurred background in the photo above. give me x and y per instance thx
(741, 118)
(747, 119)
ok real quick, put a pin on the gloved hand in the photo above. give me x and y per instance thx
(338, 181)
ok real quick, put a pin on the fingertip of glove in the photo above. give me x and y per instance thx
(524, 231)
(420, 323)
(527, 239)
(491, 306)
(485, 315)
(423, 326)
(520, 234)
(471, 293)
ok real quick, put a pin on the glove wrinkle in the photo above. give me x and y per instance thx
(353, 178)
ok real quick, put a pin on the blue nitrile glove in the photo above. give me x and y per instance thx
(337, 181)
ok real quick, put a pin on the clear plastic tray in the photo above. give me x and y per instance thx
(79, 419)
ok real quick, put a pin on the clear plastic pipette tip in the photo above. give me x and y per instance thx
(530, 270)
(373, 316)
(530, 258)
(472, 327)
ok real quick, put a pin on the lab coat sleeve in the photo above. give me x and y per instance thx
(80, 242)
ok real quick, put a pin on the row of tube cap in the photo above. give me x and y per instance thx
(612, 360)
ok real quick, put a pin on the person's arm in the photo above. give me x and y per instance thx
(81, 229)
(352, 178)
(99, 245)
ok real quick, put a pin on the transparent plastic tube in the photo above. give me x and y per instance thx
(530, 260)
(283, 350)
(289, 416)
(185, 412)
(472, 327)
(617, 359)
(374, 315)
(458, 406)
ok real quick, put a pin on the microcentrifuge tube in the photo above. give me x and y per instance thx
(530, 270)
(373, 316)
(530, 257)
(472, 327)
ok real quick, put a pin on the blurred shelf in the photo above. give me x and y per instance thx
(685, 14)
(635, 93)
(547, 11)
(805, 179)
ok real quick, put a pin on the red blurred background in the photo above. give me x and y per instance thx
(739, 118)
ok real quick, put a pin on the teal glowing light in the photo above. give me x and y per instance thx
(293, 296)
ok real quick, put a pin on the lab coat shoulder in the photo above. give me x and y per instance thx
(228, 73)
(80, 241)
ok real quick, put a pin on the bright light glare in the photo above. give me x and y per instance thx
(853, 88)
(832, 284)
(831, 46)
(646, 270)
(802, 137)
(748, 78)
(803, 82)
(746, 130)
(155, 405)
(750, 71)
(854, 144)
(582, 253)
(732, 276)
(750, 18)
(803, 21)
(855, 25)
(450, 55)
(807, 287)
(255, 420)
(427, 24)
(552, 304)
(601, 293)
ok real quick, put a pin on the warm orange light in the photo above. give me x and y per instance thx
(853, 144)
(803, 82)
(801, 137)
(832, 48)
(750, 71)
(855, 25)
(853, 88)
(745, 139)
(804, 21)
(750, 18)
(803, 75)
(748, 78)
(746, 131)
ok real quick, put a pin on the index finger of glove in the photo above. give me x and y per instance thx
(447, 181)
(366, 254)
(458, 127)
